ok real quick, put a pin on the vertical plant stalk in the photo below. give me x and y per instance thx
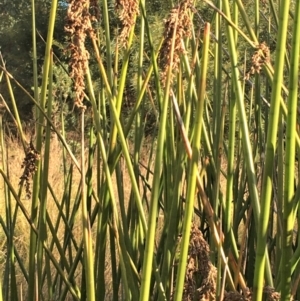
(230, 164)
(150, 236)
(193, 170)
(44, 183)
(14, 104)
(9, 273)
(39, 137)
(108, 41)
(242, 115)
(270, 153)
(128, 16)
(34, 52)
(289, 190)
(86, 225)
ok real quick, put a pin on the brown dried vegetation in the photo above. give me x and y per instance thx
(30, 167)
(179, 24)
(127, 11)
(260, 57)
(200, 278)
(78, 26)
(201, 275)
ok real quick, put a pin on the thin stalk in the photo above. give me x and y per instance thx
(270, 153)
(1, 297)
(243, 119)
(289, 190)
(9, 273)
(44, 187)
(121, 85)
(34, 52)
(193, 170)
(15, 111)
(231, 142)
(39, 137)
(86, 225)
(150, 236)
(107, 41)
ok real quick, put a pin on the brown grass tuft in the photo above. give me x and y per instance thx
(178, 23)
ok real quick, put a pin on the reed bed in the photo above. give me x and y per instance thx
(192, 192)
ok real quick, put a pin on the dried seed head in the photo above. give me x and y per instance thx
(78, 25)
(271, 294)
(29, 165)
(200, 278)
(234, 296)
(127, 11)
(261, 56)
(179, 20)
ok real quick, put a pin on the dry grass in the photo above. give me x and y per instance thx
(15, 159)
(15, 156)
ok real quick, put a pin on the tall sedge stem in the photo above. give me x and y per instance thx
(86, 225)
(263, 221)
(193, 169)
(39, 137)
(289, 212)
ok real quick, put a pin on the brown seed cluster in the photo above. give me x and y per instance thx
(234, 296)
(269, 295)
(200, 279)
(260, 57)
(29, 165)
(178, 23)
(127, 11)
(78, 26)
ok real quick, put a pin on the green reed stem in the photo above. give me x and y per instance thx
(86, 224)
(107, 42)
(150, 236)
(230, 168)
(39, 137)
(193, 169)
(289, 190)
(44, 184)
(121, 85)
(262, 228)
